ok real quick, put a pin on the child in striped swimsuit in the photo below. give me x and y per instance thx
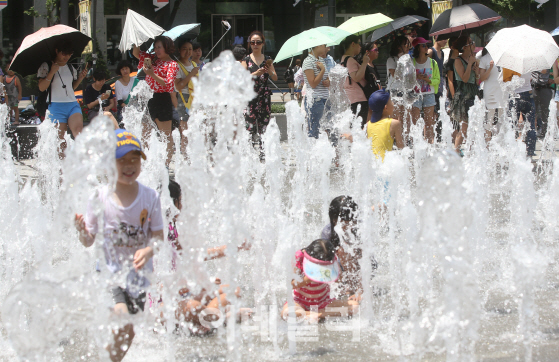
(307, 293)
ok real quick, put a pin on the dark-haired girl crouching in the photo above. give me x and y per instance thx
(316, 267)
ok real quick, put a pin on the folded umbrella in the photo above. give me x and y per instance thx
(39, 47)
(365, 23)
(186, 31)
(310, 39)
(398, 27)
(137, 30)
(463, 18)
(523, 49)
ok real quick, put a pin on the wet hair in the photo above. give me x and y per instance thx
(123, 64)
(344, 208)
(239, 52)
(196, 45)
(321, 249)
(168, 43)
(396, 44)
(99, 75)
(346, 43)
(174, 190)
(367, 47)
(461, 42)
(256, 32)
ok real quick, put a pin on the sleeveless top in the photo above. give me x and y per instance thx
(379, 133)
(472, 79)
(11, 88)
(313, 293)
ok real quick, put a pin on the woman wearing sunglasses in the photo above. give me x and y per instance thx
(466, 70)
(257, 115)
(428, 78)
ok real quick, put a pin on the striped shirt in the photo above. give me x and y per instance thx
(310, 63)
(313, 293)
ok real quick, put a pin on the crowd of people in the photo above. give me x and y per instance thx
(464, 74)
(133, 220)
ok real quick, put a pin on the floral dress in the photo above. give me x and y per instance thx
(257, 114)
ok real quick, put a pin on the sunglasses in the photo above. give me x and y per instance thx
(257, 42)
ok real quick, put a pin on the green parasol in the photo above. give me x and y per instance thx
(365, 23)
(310, 39)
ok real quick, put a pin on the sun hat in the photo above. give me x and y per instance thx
(419, 40)
(321, 271)
(377, 102)
(126, 142)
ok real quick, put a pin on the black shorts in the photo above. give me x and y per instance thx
(134, 304)
(161, 107)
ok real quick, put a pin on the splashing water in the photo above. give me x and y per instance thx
(466, 247)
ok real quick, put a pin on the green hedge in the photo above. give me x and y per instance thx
(278, 107)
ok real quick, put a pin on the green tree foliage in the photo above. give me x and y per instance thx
(52, 12)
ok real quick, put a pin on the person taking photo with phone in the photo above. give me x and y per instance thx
(99, 98)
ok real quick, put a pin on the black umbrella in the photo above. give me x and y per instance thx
(400, 26)
(39, 47)
(462, 18)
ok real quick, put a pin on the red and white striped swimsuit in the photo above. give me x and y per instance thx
(312, 293)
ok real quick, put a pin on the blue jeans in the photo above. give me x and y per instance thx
(525, 105)
(314, 114)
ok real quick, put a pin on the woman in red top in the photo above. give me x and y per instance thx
(161, 72)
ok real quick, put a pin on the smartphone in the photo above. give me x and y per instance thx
(147, 62)
(108, 92)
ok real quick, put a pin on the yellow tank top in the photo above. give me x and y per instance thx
(379, 133)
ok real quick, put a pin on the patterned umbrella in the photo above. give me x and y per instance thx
(523, 49)
(39, 47)
(400, 26)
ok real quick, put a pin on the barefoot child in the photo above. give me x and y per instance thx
(191, 306)
(318, 267)
(132, 222)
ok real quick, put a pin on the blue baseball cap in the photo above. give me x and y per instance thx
(377, 102)
(126, 142)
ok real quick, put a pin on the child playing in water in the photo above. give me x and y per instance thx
(317, 266)
(344, 210)
(132, 222)
(382, 129)
(191, 306)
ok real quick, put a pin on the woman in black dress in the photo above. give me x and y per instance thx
(257, 115)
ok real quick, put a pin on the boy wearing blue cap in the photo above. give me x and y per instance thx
(132, 220)
(382, 129)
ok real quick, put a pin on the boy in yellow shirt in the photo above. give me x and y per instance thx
(381, 128)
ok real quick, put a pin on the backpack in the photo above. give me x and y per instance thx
(41, 104)
(371, 86)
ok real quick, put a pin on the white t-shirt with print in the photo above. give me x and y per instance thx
(64, 77)
(182, 75)
(126, 230)
(424, 69)
(310, 63)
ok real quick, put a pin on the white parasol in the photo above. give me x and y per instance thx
(137, 30)
(523, 49)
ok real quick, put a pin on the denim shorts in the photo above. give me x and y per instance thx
(61, 111)
(425, 100)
